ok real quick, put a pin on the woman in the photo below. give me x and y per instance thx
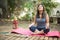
(41, 21)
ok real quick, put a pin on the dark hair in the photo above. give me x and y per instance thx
(43, 14)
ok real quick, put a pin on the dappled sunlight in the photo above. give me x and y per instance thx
(16, 14)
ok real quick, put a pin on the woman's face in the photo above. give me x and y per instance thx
(40, 8)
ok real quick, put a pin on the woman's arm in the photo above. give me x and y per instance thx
(34, 22)
(47, 21)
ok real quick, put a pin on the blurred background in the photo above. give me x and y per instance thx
(24, 11)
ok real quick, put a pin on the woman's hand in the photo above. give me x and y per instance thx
(39, 32)
(47, 25)
(47, 21)
(31, 24)
(34, 22)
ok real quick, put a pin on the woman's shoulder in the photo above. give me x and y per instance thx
(46, 13)
(34, 16)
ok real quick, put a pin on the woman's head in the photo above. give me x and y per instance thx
(40, 10)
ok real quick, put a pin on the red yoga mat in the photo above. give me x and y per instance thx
(22, 31)
(29, 33)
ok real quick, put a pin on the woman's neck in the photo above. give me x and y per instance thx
(40, 15)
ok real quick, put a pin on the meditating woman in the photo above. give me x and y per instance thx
(41, 21)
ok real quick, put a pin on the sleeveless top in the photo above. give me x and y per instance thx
(41, 22)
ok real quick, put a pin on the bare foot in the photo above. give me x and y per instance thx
(38, 32)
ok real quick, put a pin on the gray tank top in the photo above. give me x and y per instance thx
(41, 22)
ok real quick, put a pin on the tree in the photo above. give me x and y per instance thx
(3, 6)
(49, 5)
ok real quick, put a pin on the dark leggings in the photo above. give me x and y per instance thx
(33, 28)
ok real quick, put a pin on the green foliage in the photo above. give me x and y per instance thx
(26, 17)
(49, 5)
(12, 17)
(11, 4)
(18, 3)
(28, 5)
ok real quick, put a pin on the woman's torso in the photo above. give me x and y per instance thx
(41, 22)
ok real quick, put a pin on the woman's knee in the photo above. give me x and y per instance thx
(46, 31)
(32, 28)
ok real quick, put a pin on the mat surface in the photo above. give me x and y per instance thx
(28, 32)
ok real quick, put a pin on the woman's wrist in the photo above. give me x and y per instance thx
(31, 24)
(47, 26)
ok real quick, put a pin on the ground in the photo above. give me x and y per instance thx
(6, 27)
